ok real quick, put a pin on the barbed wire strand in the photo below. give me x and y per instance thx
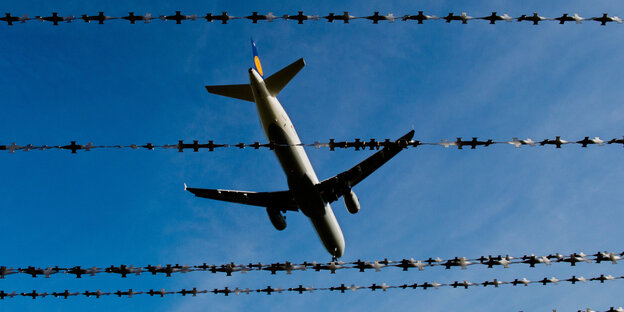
(356, 144)
(300, 18)
(332, 267)
(226, 291)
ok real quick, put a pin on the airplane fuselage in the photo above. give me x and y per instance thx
(292, 157)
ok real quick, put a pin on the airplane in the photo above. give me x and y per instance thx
(34, 294)
(463, 18)
(123, 270)
(161, 292)
(517, 143)
(97, 293)
(255, 17)
(11, 19)
(534, 18)
(604, 19)
(148, 146)
(193, 291)
(100, 18)
(128, 293)
(493, 18)
(300, 17)
(133, 18)
(445, 143)
(532, 260)
(620, 309)
(305, 193)
(178, 17)
(4, 294)
(345, 17)
(420, 17)
(411, 263)
(376, 18)
(224, 17)
(64, 294)
(596, 140)
(55, 19)
(4, 271)
(79, 271)
(565, 18)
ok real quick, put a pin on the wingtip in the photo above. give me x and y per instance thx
(185, 186)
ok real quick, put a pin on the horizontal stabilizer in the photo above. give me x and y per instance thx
(241, 92)
(279, 80)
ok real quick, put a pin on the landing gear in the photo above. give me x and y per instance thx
(334, 259)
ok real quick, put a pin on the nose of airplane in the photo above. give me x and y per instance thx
(340, 248)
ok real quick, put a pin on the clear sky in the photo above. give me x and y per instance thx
(122, 84)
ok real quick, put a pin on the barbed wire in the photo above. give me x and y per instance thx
(300, 18)
(288, 267)
(357, 144)
(226, 291)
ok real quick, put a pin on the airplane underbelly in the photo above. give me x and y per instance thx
(329, 232)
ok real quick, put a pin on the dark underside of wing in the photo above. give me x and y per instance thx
(282, 200)
(335, 187)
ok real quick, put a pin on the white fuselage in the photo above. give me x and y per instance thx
(296, 165)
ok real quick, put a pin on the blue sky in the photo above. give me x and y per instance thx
(123, 84)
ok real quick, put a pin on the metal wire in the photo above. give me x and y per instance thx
(332, 267)
(342, 288)
(356, 144)
(300, 18)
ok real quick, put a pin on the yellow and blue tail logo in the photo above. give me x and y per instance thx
(257, 64)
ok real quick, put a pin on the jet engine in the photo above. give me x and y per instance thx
(277, 219)
(352, 202)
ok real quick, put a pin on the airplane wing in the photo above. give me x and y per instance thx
(281, 199)
(333, 188)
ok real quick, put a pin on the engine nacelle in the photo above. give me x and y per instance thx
(277, 219)
(352, 202)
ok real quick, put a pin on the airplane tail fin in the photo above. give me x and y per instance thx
(256, 59)
(275, 83)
